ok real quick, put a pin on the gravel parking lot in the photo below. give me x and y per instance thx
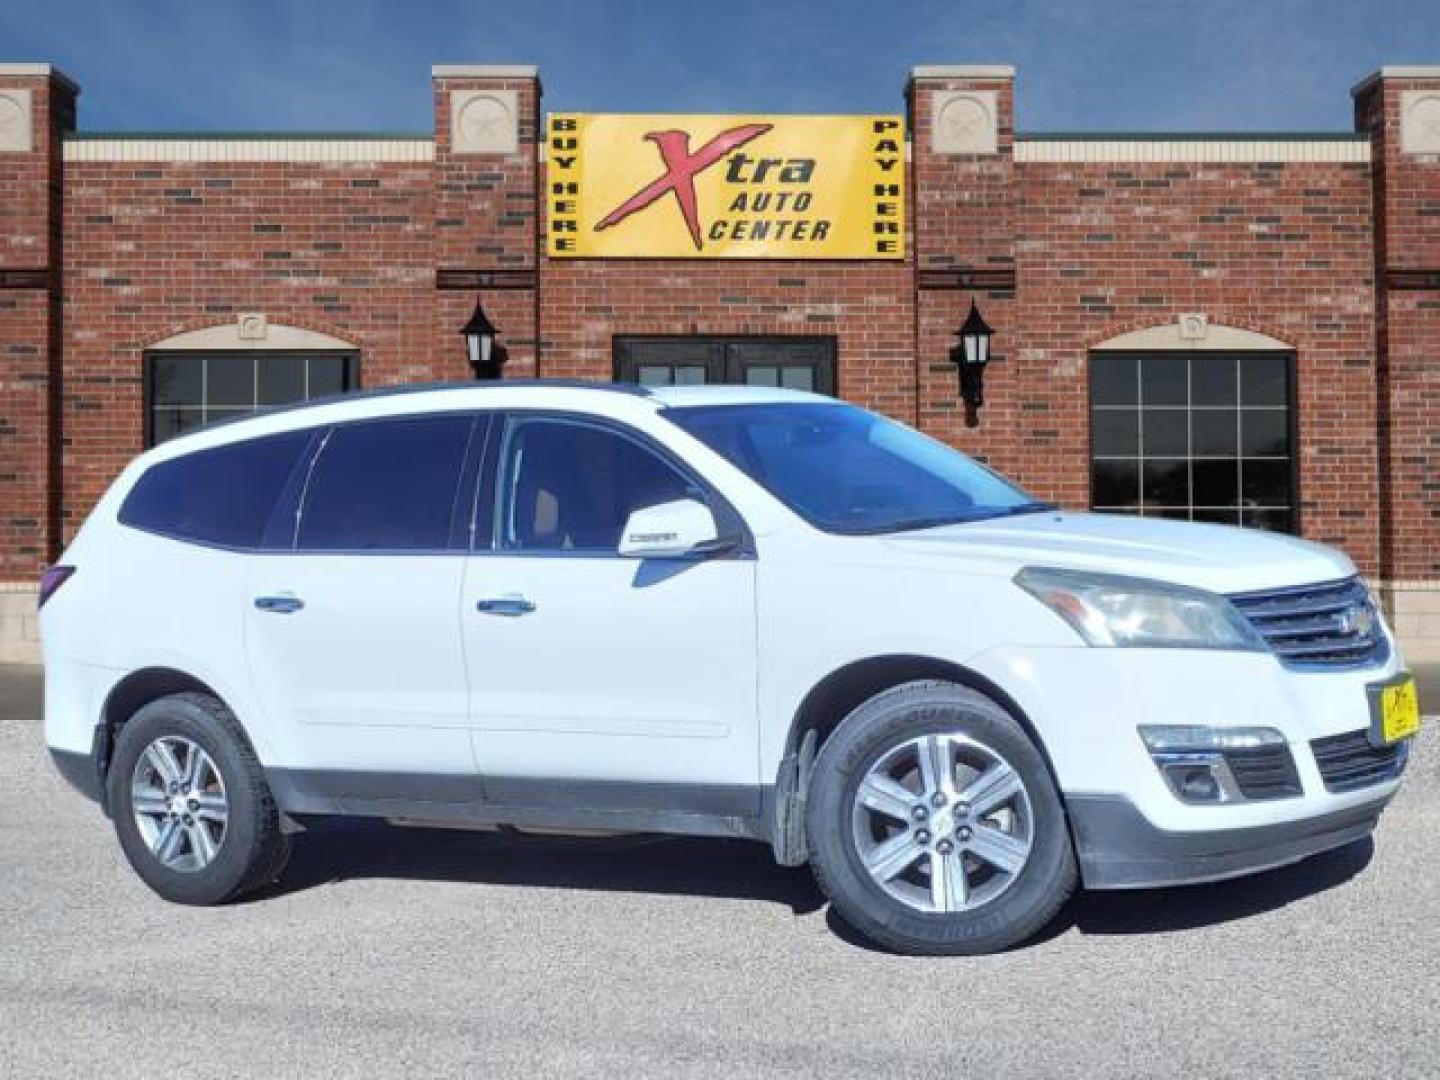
(389, 951)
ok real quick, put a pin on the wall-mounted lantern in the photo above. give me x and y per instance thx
(486, 355)
(970, 356)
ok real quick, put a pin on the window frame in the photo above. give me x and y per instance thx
(351, 357)
(1292, 427)
(827, 370)
(493, 497)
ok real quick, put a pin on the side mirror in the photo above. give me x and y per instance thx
(672, 530)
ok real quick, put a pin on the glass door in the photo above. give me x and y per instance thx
(795, 363)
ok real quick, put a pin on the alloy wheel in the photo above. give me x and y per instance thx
(942, 823)
(178, 799)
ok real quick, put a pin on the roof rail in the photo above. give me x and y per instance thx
(631, 389)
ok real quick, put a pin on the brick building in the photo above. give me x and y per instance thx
(1223, 327)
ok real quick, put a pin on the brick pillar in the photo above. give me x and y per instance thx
(37, 105)
(486, 207)
(1400, 108)
(963, 207)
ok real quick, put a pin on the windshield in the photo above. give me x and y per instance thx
(846, 470)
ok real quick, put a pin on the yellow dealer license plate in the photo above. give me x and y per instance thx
(1397, 715)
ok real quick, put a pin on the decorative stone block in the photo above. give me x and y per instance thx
(16, 128)
(965, 122)
(252, 326)
(484, 122)
(1420, 122)
(1194, 326)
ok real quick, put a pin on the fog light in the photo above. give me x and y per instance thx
(1194, 782)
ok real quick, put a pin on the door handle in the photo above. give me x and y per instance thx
(511, 605)
(279, 605)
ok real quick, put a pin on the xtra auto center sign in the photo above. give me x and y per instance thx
(731, 187)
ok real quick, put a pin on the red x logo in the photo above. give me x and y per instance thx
(681, 168)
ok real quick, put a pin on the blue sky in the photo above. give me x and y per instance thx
(364, 64)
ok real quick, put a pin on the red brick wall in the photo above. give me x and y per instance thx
(1407, 204)
(1064, 256)
(157, 248)
(1100, 249)
(30, 358)
(866, 306)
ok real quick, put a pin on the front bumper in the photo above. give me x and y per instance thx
(1130, 829)
(1119, 849)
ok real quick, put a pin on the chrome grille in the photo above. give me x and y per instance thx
(1333, 624)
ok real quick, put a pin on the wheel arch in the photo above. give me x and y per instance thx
(835, 697)
(126, 698)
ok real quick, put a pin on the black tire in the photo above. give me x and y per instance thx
(253, 850)
(1033, 896)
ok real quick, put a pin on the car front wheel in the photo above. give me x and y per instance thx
(934, 826)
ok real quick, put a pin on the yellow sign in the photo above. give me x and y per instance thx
(726, 187)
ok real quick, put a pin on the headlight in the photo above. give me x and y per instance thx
(1107, 609)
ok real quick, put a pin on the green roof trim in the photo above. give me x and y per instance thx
(251, 136)
(1191, 136)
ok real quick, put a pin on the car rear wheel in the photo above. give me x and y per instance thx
(934, 826)
(192, 811)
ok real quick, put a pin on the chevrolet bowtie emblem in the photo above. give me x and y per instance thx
(681, 168)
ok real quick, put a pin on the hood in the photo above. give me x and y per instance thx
(1220, 558)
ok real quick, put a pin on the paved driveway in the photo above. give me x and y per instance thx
(395, 952)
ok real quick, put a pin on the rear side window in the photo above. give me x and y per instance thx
(385, 485)
(219, 496)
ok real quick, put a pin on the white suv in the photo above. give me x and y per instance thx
(721, 611)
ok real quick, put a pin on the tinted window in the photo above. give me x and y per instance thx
(219, 496)
(849, 471)
(571, 487)
(387, 485)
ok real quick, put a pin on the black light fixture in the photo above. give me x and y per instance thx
(486, 355)
(970, 356)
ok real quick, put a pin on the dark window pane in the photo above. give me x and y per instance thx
(219, 496)
(328, 375)
(1213, 433)
(387, 484)
(1217, 483)
(1218, 517)
(167, 423)
(1113, 380)
(1264, 380)
(1212, 381)
(572, 487)
(1265, 483)
(1274, 520)
(230, 382)
(1162, 380)
(177, 381)
(1170, 515)
(281, 379)
(1166, 483)
(1115, 483)
(1165, 432)
(1265, 433)
(1115, 432)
